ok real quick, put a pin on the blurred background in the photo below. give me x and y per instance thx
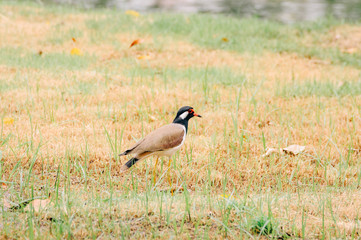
(279, 10)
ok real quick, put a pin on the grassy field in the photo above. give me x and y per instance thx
(64, 118)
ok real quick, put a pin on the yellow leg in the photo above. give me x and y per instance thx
(169, 178)
(156, 163)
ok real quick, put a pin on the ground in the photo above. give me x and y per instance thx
(74, 95)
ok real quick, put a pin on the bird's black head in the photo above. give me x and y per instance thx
(184, 114)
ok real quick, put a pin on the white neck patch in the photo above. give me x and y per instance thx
(184, 115)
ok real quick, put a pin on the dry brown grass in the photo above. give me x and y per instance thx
(65, 120)
(346, 38)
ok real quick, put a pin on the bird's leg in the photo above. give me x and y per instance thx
(169, 178)
(156, 163)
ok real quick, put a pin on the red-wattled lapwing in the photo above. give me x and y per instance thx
(164, 141)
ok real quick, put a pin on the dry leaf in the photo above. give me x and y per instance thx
(263, 124)
(135, 42)
(8, 120)
(225, 39)
(40, 53)
(294, 149)
(174, 190)
(43, 177)
(132, 13)
(271, 151)
(37, 205)
(76, 51)
(74, 40)
(143, 57)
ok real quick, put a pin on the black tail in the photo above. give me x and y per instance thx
(131, 162)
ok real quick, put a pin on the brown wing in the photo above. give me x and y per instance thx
(168, 136)
(129, 151)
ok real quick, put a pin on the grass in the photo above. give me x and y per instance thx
(324, 89)
(54, 61)
(65, 118)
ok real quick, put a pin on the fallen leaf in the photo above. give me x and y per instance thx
(294, 149)
(40, 53)
(43, 177)
(74, 40)
(76, 51)
(263, 124)
(132, 13)
(37, 205)
(271, 151)
(8, 120)
(143, 57)
(135, 42)
(225, 39)
(174, 190)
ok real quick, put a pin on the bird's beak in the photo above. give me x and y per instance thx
(197, 115)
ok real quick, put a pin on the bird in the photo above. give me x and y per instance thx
(163, 141)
